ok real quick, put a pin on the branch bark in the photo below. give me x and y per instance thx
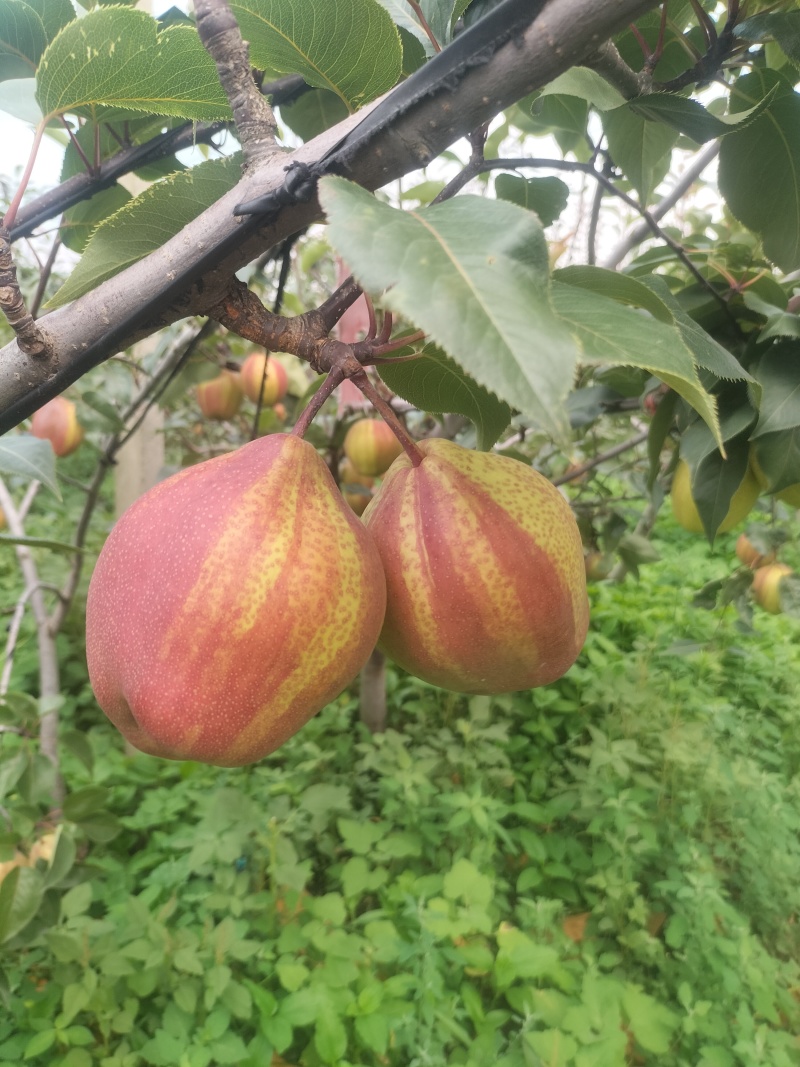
(206, 253)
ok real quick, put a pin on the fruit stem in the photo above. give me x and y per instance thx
(399, 430)
(317, 400)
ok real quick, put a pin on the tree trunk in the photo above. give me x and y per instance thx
(372, 694)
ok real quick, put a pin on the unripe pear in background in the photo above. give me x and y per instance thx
(221, 397)
(790, 495)
(275, 384)
(685, 510)
(486, 588)
(57, 422)
(766, 586)
(749, 555)
(230, 603)
(355, 487)
(371, 446)
(598, 566)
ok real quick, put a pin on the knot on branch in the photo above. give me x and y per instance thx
(30, 339)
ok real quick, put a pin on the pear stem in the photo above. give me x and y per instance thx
(399, 430)
(335, 377)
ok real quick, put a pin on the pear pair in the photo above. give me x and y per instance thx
(234, 600)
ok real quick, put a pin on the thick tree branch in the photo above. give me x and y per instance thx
(192, 272)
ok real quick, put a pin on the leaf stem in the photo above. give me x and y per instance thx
(335, 377)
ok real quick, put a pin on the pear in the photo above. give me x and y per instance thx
(766, 586)
(57, 422)
(275, 382)
(685, 510)
(221, 397)
(371, 446)
(486, 586)
(230, 603)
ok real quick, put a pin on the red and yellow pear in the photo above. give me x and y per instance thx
(371, 446)
(230, 603)
(57, 422)
(275, 381)
(356, 488)
(486, 588)
(221, 397)
(685, 510)
(766, 586)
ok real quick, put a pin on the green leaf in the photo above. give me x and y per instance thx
(146, 222)
(433, 382)
(62, 859)
(779, 374)
(330, 1036)
(473, 274)
(40, 1043)
(609, 332)
(85, 802)
(780, 322)
(134, 67)
(41, 542)
(780, 26)
(11, 770)
(546, 196)
(373, 1031)
(79, 221)
(715, 481)
(778, 456)
(403, 15)
(690, 117)
(313, 112)
(759, 167)
(641, 149)
(26, 28)
(466, 881)
(586, 84)
(26, 456)
(76, 901)
(707, 352)
(652, 1024)
(21, 894)
(18, 98)
(316, 41)
(623, 288)
(553, 1047)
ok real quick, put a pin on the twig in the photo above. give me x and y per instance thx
(334, 379)
(601, 457)
(641, 230)
(610, 65)
(255, 121)
(384, 407)
(83, 186)
(424, 23)
(44, 276)
(586, 168)
(594, 219)
(477, 139)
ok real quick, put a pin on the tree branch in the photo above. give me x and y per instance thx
(255, 122)
(191, 272)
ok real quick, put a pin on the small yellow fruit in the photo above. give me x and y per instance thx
(766, 586)
(748, 554)
(371, 447)
(685, 510)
